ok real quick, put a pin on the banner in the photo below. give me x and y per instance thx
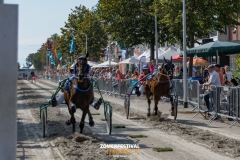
(72, 45)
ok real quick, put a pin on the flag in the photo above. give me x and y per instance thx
(52, 61)
(72, 45)
(59, 56)
(49, 53)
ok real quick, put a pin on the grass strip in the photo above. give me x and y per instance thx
(166, 149)
(138, 136)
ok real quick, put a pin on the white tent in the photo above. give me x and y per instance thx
(147, 54)
(106, 63)
(98, 66)
(92, 63)
(171, 51)
(130, 60)
(32, 67)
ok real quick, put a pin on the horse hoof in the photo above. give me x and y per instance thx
(148, 114)
(91, 123)
(68, 122)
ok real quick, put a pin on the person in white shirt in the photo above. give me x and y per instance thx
(214, 79)
(228, 73)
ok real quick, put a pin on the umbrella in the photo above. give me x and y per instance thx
(130, 60)
(177, 58)
(199, 62)
(214, 49)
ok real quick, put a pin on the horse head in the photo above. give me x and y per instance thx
(83, 67)
(169, 66)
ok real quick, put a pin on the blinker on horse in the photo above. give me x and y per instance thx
(81, 94)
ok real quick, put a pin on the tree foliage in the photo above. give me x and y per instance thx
(80, 21)
(29, 59)
(130, 22)
(202, 17)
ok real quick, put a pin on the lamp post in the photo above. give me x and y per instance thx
(184, 57)
(86, 40)
(156, 36)
(109, 52)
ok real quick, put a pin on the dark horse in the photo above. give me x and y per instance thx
(161, 86)
(81, 94)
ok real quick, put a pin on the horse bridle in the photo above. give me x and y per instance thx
(81, 76)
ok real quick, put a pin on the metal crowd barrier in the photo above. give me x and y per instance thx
(224, 101)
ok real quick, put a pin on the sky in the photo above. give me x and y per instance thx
(39, 19)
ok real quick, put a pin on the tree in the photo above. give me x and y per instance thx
(203, 17)
(18, 64)
(130, 22)
(80, 21)
(29, 59)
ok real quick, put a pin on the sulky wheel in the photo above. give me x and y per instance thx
(109, 118)
(127, 106)
(175, 107)
(43, 117)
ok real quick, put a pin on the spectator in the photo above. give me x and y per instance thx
(228, 73)
(151, 66)
(233, 81)
(129, 74)
(213, 80)
(177, 74)
(217, 69)
(135, 75)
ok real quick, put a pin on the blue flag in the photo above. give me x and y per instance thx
(52, 61)
(49, 53)
(72, 45)
(59, 56)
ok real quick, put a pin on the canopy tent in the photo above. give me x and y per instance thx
(170, 52)
(177, 58)
(147, 54)
(106, 63)
(92, 63)
(214, 49)
(98, 66)
(32, 67)
(130, 60)
(24, 67)
(199, 62)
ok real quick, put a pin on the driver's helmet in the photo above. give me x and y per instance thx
(71, 67)
(145, 67)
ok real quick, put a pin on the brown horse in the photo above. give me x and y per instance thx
(161, 86)
(81, 94)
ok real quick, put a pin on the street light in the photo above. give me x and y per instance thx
(184, 57)
(86, 40)
(156, 36)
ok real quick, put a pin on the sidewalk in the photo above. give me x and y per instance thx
(185, 115)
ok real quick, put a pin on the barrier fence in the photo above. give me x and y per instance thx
(224, 101)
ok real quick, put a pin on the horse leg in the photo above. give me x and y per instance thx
(72, 110)
(91, 122)
(81, 125)
(172, 105)
(148, 95)
(156, 100)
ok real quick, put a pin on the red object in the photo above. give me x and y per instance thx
(178, 58)
(33, 77)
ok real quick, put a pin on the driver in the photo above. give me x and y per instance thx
(142, 80)
(73, 72)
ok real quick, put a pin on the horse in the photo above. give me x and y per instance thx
(161, 87)
(81, 94)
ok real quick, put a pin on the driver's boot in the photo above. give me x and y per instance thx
(97, 104)
(54, 102)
